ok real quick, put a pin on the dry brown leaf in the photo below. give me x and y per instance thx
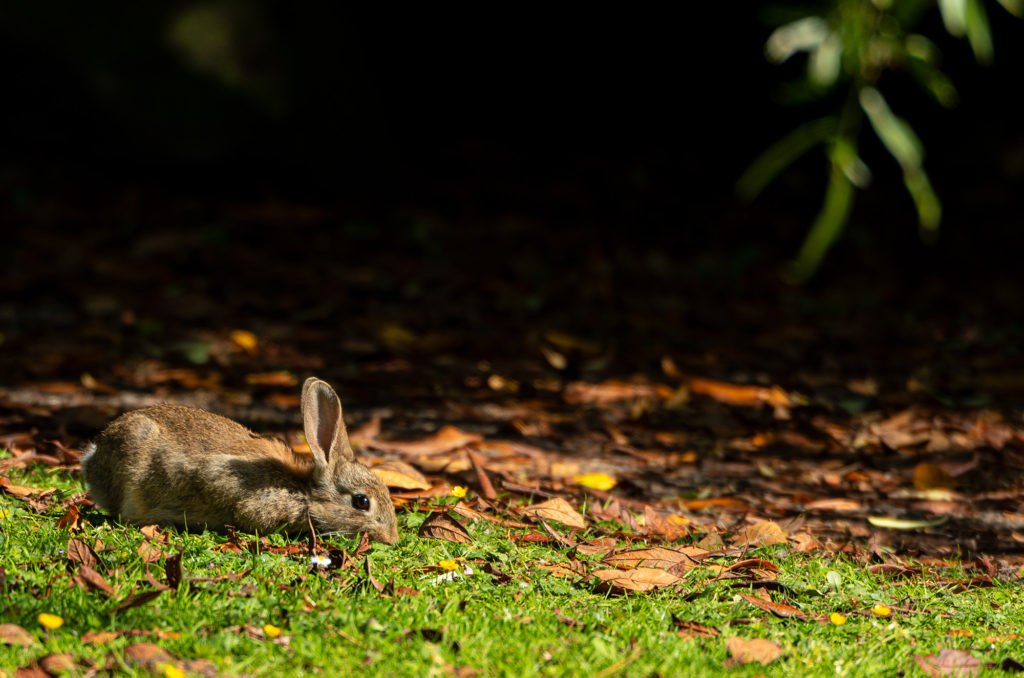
(445, 440)
(20, 490)
(439, 525)
(658, 557)
(594, 546)
(149, 552)
(33, 670)
(928, 476)
(100, 637)
(154, 533)
(80, 552)
(580, 392)
(833, 504)
(278, 378)
(12, 634)
(727, 503)
(949, 663)
(760, 534)
(70, 520)
(95, 580)
(742, 395)
(641, 579)
(654, 523)
(805, 543)
(573, 568)
(55, 664)
(693, 630)
(149, 655)
(555, 509)
(759, 650)
(398, 474)
(778, 609)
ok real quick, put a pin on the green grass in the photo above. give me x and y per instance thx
(478, 622)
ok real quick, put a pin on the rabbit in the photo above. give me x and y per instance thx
(187, 467)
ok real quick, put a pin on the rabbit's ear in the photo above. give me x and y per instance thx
(325, 428)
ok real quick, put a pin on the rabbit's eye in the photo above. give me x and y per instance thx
(361, 502)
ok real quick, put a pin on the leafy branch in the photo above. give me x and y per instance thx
(852, 45)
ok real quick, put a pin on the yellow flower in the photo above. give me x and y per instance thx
(448, 565)
(596, 481)
(172, 671)
(837, 619)
(459, 491)
(50, 621)
(271, 631)
(881, 611)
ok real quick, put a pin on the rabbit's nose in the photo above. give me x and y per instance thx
(389, 536)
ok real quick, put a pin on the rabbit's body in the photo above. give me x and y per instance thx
(184, 466)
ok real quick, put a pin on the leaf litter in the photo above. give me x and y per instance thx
(588, 461)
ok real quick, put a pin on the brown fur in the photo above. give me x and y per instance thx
(184, 466)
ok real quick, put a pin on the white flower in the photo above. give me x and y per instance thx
(320, 561)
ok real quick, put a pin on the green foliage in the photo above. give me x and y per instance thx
(849, 46)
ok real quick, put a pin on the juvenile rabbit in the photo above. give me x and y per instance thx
(180, 465)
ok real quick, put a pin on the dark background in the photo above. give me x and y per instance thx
(496, 171)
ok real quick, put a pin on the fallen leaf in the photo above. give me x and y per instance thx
(580, 392)
(172, 570)
(658, 557)
(563, 540)
(80, 552)
(641, 579)
(928, 476)
(833, 504)
(21, 490)
(949, 663)
(692, 630)
(439, 525)
(447, 439)
(278, 378)
(760, 534)
(245, 340)
(597, 481)
(573, 568)
(759, 650)
(100, 637)
(655, 523)
(778, 609)
(555, 509)
(594, 546)
(400, 475)
(904, 524)
(742, 395)
(12, 634)
(805, 543)
(154, 533)
(753, 565)
(58, 663)
(33, 670)
(149, 655)
(149, 552)
(95, 580)
(70, 520)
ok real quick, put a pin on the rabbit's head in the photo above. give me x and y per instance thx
(346, 496)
